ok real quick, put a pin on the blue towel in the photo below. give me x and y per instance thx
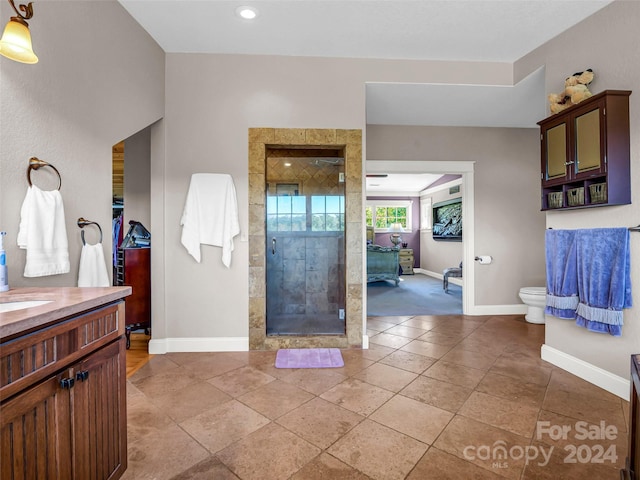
(562, 278)
(604, 278)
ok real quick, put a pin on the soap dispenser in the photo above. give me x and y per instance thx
(4, 281)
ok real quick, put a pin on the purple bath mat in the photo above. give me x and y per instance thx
(309, 358)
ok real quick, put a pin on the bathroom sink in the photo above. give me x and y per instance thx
(19, 305)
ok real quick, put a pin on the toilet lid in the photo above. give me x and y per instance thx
(534, 290)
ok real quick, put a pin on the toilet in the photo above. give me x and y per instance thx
(535, 298)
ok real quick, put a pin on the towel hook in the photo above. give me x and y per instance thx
(82, 222)
(35, 163)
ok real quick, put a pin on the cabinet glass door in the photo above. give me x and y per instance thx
(588, 153)
(556, 151)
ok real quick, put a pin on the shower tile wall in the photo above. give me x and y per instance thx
(306, 275)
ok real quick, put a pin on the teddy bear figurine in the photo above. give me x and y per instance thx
(575, 90)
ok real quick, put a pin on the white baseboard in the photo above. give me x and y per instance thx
(439, 276)
(606, 380)
(428, 272)
(213, 344)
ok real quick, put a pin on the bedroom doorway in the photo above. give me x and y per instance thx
(466, 170)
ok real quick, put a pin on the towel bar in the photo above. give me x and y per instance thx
(631, 229)
(35, 163)
(83, 223)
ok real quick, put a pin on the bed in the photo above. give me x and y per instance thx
(382, 264)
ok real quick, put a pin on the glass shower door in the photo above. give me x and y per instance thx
(305, 267)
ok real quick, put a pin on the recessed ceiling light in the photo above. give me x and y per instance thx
(287, 164)
(248, 13)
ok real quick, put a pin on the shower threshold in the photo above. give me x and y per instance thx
(292, 324)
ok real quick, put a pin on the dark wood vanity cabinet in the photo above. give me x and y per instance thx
(63, 391)
(632, 468)
(586, 153)
(40, 418)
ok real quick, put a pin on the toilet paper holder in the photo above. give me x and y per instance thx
(484, 259)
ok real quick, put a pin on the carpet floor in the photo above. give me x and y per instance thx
(415, 295)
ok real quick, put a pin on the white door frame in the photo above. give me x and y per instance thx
(464, 168)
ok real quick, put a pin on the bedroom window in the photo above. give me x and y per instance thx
(380, 214)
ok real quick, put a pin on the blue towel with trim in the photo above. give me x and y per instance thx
(562, 277)
(604, 278)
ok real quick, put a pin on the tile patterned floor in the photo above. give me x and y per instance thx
(450, 397)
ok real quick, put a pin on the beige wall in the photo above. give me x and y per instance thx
(436, 255)
(70, 109)
(137, 178)
(508, 223)
(613, 56)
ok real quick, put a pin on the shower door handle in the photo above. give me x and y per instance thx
(273, 246)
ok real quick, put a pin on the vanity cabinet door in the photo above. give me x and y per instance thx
(70, 426)
(99, 413)
(36, 437)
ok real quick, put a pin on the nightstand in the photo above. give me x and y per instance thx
(406, 260)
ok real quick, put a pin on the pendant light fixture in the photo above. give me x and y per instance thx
(16, 39)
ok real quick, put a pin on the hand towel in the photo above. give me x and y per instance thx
(562, 279)
(604, 278)
(43, 233)
(210, 215)
(93, 270)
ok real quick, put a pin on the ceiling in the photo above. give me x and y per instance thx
(400, 183)
(459, 30)
(448, 30)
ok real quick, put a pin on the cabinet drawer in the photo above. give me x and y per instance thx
(407, 269)
(31, 358)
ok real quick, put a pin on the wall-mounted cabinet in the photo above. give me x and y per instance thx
(585, 153)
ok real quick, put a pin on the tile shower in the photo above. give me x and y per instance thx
(305, 218)
(330, 291)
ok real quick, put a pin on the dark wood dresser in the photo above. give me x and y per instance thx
(134, 270)
(632, 469)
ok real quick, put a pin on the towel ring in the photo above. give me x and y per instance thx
(35, 163)
(83, 223)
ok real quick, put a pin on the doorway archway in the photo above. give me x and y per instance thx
(466, 169)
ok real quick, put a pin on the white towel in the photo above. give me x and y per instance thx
(93, 271)
(210, 214)
(43, 233)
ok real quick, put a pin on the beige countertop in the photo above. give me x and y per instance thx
(62, 302)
